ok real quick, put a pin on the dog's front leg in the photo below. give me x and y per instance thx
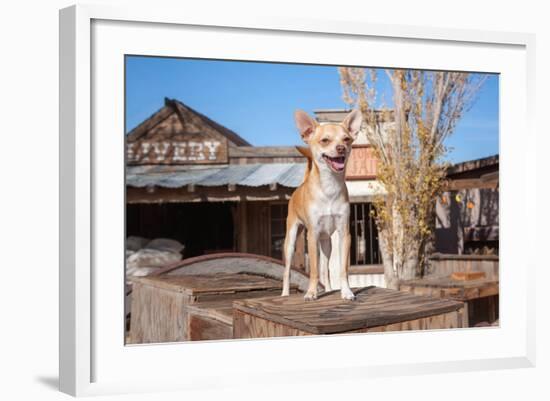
(292, 231)
(324, 262)
(313, 252)
(345, 244)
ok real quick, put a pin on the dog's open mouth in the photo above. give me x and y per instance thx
(336, 163)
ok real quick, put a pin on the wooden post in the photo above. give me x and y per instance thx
(242, 227)
(470, 311)
(466, 315)
(492, 309)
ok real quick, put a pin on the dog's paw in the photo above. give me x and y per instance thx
(347, 294)
(285, 293)
(310, 296)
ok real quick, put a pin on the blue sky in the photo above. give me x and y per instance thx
(257, 100)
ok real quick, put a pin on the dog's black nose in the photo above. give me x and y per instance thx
(340, 148)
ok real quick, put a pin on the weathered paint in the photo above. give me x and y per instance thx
(174, 152)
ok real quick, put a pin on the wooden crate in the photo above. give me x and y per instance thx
(375, 309)
(192, 307)
(481, 295)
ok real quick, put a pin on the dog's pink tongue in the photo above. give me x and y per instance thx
(338, 164)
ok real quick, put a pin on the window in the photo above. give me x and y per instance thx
(278, 229)
(364, 235)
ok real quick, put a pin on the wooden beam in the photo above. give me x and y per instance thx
(204, 194)
(366, 269)
(452, 256)
(490, 176)
(470, 183)
(264, 198)
(242, 227)
(265, 151)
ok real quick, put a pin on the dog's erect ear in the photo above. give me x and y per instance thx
(352, 123)
(306, 125)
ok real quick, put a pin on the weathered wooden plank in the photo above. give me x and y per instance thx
(233, 295)
(214, 283)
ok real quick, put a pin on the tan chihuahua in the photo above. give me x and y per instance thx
(321, 202)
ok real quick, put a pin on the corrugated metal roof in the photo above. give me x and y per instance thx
(252, 175)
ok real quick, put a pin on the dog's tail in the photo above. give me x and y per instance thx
(307, 153)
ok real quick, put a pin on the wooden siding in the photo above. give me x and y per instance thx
(442, 265)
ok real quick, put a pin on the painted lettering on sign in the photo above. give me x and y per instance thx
(362, 163)
(180, 152)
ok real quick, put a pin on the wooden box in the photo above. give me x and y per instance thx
(480, 296)
(375, 309)
(192, 307)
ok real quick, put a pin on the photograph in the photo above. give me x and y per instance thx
(275, 199)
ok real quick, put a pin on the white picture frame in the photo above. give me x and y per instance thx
(92, 361)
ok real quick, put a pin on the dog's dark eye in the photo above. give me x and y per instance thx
(347, 139)
(325, 141)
